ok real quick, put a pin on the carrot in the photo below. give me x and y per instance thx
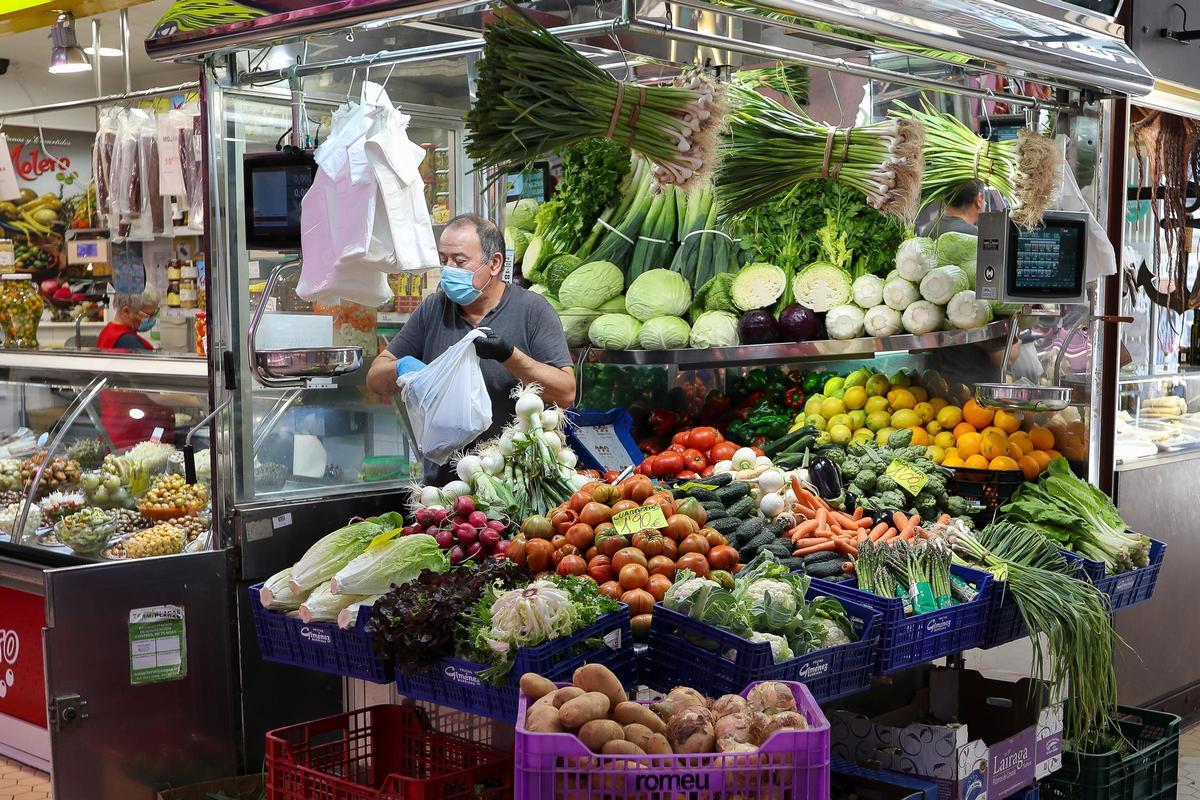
(944, 519)
(878, 531)
(807, 511)
(887, 537)
(804, 528)
(816, 548)
(866, 522)
(899, 520)
(912, 523)
(842, 546)
(862, 536)
(848, 566)
(858, 512)
(843, 519)
(907, 534)
(810, 541)
(920, 533)
(822, 518)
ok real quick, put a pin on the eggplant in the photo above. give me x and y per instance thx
(825, 475)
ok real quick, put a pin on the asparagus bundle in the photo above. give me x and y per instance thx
(535, 94)
(769, 149)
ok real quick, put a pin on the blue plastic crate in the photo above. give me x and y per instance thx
(686, 652)
(1126, 588)
(909, 785)
(611, 446)
(905, 641)
(322, 646)
(455, 683)
(1004, 623)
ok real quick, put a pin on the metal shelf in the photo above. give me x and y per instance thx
(164, 372)
(825, 349)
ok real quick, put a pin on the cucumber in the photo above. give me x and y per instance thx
(733, 492)
(724, 525)
(824, 555)
(778, 527)
(743, 508)
(758, 543)
(703, 495)
(772, 448)
(824, 569)
(780, 548)
(715, 509)
(718, 479)
(793, 563)
(749, 528)
(790, 460)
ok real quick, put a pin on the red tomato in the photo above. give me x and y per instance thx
(600, 568)
(680, 437)
(702, 438)
(633, 576)
(722, 557)
(668, 464)
(722, 451)
(694, 460)
(646, 467)
(611, 476)
(571, 565)
(626, 556)
(757, 451)
(696, 562)
(687, 474)
(662, 565)
(676, 448)
(658, 586)
(708, 471)
(639, 601)
(611, 589)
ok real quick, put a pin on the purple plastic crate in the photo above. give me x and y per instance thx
(908, 640)
(322, 646)
(791, 765)
(686, 652)
(1126, 588)
(454, 682)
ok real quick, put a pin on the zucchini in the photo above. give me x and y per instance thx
(824, 555)
(725, 526)
(759, 542)
(824, 569)
(793, 563)
(798, 447)
(790, 460)
(733, 492)
(743, 508)
(772, 448)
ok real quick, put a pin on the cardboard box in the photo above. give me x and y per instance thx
(997, 743)
(246, 787)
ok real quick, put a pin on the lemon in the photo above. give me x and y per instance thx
(838, 419)
(833, 384)
(901, 398)
(831, 407)
(925, 411)
(877, 420)
(823, 438)
(949, 417)
(936, 454)
(857, 378)
(944, 439)
(901, 378)
(933, 428)
(938, 403)
(919, 393)
(863, 435)
(837, 393)
(905, 418)
(813, 404)
(840, 434)
(881, 436)
(816, 420)
(878, 385)
(858, 419)
(875, 404)
(855, 397)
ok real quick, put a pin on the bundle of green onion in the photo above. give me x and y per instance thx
(770, 148)
(1072, 614)
(535, 94)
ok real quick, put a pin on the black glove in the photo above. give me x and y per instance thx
(494, 348)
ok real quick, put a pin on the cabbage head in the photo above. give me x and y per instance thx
(664, 333)
(614, 306)
(517, 240)
(658, 293)
(575, 322)
(959, 249)
(715, 329)
(544, 291)
(591, 285)
(521, 213)
(714, 295)
(915, 257)
(559, 268)
(615, 332)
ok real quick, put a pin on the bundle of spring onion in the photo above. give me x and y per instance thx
(535, 94)
(769, 149)
(1072, 614)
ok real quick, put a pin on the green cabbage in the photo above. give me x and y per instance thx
(757, 285)
(521, 213)
(821, 286)
(899, 293)
(715, 329)
(658, 293)
(517, 240)
(614, 306)
(964, 311)
(559, 268)
(544, 291)
(959, 249)
(915, 258)
(591, 285)
(330, 553)
(882, 320)
(397, 560)
(575, 322)
(664, 333)
(940, 284)
(844, 322)
(615, 331)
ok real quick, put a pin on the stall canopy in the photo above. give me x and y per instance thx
(1050, 42)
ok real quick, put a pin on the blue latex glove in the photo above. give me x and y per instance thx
(408, 364)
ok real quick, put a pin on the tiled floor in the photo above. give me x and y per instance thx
(19, 782)
(1189, 764)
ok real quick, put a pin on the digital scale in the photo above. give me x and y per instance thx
(1047, 264)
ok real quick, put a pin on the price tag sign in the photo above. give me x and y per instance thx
(911, 480)
(632, 520)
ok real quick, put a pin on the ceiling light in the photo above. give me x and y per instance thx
(106, 52)
(66, 55)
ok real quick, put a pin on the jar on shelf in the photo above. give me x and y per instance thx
(20, 311)
(189, 288)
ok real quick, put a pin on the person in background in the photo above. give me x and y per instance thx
(961, 214)
(526, 341)
(136, 313)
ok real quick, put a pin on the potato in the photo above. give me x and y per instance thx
(564, 694)
(542, 719)
(638, 734)
(597, 733)
(630, 712)
(599, 678)
(535, 686)
(583, 709)
(620, 747)
(658, 745)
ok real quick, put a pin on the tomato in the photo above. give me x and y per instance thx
(649, 541)
(657, 587)
(606, 494)
(680, 437)
(600, 568)
(702, 438)
(637, 488)
(581, 535)
(641, 627)
(722, 451)
(694, 460)
(562, 519)
(757, 451)
(579, 500)
(595, 513)
(722, 557)
(661, 565)
(688, 475)
(611, 476)
(537, 527)
(713, 536)
(639, 601)
(609, 542)
(558, 541)
(591, 553)
(537, 555)
(695, 543)
(668, 464)
(646, 468)
(571, 565)
(516, 549)
(676, 448)
(670, 548)
(664, 501)
(720, 436)
(708, 471)
(690, 507)
(696, 562)
(611, 589)
(681, 526)
(628, 555)
(633, 576)
(623, 505)
(563, 552)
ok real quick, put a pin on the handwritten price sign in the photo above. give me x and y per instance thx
(632, 520)
(911, 480)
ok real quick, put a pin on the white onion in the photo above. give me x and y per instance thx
(772, 505)
(762, 462)
(743, 459)
(467, 467)
(522, 424)
(505, 444)
(492, 463)
(567, 458)
(553, 441)
(772, 481)
(529, 404)
(457, 488)
(430, 495)
(723, 466)
(551, 418)
(578, 481)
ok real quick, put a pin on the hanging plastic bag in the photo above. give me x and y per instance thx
(152, 199)
(447, 401)
(8, 175)
(402, 209)
(170, 168)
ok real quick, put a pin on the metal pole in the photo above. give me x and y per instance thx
(99, 101)
(96, 77)
(123, 21)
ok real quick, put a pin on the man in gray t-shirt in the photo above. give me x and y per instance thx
(526, 343)
(961, 214)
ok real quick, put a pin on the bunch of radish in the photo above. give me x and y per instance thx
(462, 530)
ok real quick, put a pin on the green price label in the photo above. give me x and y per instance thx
(911, 480)
(687, 487)
(632, 520)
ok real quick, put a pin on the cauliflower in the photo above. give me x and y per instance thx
(768, 591)
(780, 651)
(834, 634)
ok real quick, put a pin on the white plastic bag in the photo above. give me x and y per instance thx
(447, 401)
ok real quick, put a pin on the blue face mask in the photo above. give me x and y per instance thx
(146, 324)
(459, 285)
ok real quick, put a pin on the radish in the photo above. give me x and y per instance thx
(457, 554)
(477, 519)
(444, 539)
(439, 515)
(474, 550)
(466, 534)
(424, 517)
(497, 525)
(464, 506)
(489, 538)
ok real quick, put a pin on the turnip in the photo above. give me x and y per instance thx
(477, 519)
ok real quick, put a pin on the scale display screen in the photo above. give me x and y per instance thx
(1040, 265)
(1048, 260)
(275, 184)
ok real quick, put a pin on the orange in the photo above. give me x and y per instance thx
(1029, 466)
(1042, 438)
(1014, 451)
(920, 436)
(952, 451)
(953, 461)
(969, 444)
(1007, 421)
(977, 415)
(1021, 439)
(992, 430)
(976, 462)
(1004, 463)
(1041, 457)
(1053, 453)
(961, 429)
(993, 447)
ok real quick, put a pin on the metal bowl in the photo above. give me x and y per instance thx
(1023, 397)
(325, 362)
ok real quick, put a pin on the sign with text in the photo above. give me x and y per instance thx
(632, 520)
(911, 480)
(50, 162)
(22, 680)
(157, 645)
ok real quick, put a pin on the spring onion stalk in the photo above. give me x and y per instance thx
(1073, 616)
(769, 149)
(1038, 180)
(536, 93)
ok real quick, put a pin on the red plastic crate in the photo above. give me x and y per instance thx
(383, 752)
